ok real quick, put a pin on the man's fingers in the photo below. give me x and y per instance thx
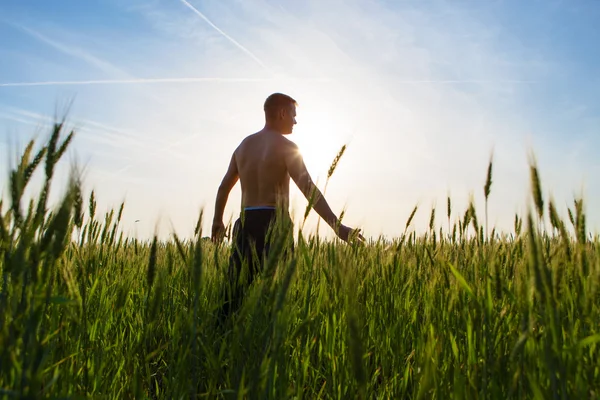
(360, 236)
(218, 232)
(356, 235)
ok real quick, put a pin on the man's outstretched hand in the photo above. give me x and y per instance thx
(348, 234)
(218, 231)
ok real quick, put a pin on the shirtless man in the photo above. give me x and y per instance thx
(264, 162)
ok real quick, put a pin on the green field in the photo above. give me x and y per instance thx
(454, 313)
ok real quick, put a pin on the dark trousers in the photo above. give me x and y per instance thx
(255, 234)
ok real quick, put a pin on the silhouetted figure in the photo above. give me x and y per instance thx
(264, 162)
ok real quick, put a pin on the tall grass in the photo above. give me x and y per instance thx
(86, 312)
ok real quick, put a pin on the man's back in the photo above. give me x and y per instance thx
(262, 169)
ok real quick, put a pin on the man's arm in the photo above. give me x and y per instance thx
(299, 174)
(229, 180)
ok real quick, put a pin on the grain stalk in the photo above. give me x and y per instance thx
(486, 191)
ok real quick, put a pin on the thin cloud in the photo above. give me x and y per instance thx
(148, 81)
(462, 81)
(167, 148)
(99, 133)
(232, 40)
(103, 134)
(75, 52)
(23, 121)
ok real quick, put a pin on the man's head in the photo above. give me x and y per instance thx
(280, 112)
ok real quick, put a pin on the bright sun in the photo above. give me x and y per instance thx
(319, 142)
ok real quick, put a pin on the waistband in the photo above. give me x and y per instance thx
(259, 208)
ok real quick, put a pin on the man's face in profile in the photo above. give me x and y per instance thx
(289, 118)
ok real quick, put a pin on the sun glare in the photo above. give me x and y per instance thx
(319, 139)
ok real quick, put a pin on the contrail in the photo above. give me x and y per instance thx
(230, 80)
(232, 40)
(150, 81)
(128, 81)
(460, 81)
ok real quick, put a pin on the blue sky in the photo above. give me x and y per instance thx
(421, 91)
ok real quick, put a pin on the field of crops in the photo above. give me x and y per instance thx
(454, 313)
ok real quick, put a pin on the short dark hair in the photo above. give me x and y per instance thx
(277, 101)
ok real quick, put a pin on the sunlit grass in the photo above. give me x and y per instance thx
(86, 312)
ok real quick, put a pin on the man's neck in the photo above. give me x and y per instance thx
(274, 129)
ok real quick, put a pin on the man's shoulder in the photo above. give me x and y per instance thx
(288, 143)
(249, 137)
(245, 141)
